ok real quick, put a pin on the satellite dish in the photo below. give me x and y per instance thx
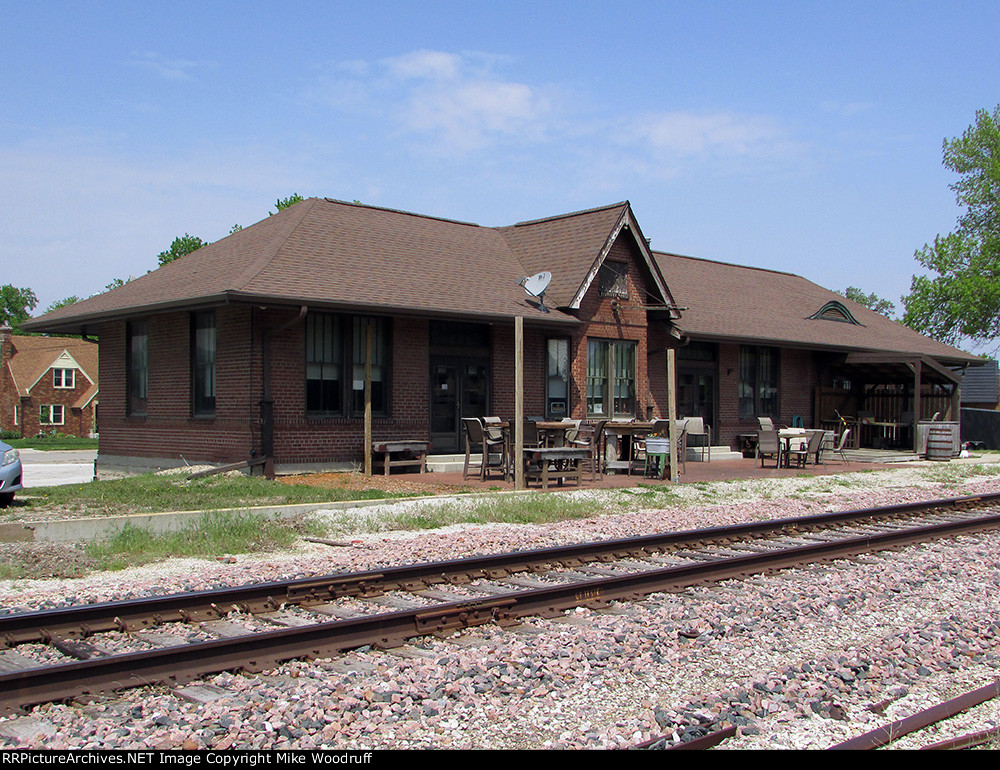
(536, 285)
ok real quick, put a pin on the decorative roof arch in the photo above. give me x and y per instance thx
(835, 311)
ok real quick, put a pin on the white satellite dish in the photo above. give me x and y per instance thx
(536, 285)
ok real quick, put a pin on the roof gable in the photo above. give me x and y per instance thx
(33, 357)
(732, 302)
(573, 247)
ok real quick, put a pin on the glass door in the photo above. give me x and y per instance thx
(459, 389)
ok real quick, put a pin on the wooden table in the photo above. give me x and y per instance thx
(618, 452)
(555, 463)
(406, 448)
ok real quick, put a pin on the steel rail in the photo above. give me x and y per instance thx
(885, 735)
(257, 651)
(145, 612)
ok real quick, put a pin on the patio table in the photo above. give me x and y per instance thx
(557, 463)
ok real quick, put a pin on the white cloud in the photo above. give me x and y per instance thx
(690, 133)
(446, 102)
(168, 69)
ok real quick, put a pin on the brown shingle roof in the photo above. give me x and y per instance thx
(34, 356)
(730, 302)
(334, 254)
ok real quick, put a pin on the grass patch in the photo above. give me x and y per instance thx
(213, 535)
(52, 442)
(156, 493)
(531, 508)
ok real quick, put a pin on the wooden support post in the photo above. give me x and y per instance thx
(672, 412)
(368, 397)
(917, 386)
(518, 403)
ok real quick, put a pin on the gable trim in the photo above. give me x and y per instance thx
(627, 222)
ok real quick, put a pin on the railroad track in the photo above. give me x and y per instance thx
(58, 655)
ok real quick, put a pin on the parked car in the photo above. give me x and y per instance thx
(10, 473)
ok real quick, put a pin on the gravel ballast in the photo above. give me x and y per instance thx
(805, 658)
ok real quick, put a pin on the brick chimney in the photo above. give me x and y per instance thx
(6, 344)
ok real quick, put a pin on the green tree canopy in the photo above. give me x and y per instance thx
(870, 301)
(16, 306)
(283, 203)
(959, 298)
(181, 246)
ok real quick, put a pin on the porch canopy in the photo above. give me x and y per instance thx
(904, 376)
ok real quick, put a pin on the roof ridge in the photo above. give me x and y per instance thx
(727, 264)
(572, 214)
(401, 211)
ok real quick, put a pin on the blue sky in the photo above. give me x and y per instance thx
(801, 136)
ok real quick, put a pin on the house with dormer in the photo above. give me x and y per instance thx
(48, 385)
(261, 344)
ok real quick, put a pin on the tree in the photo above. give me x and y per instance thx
(960, 298)
(181, 246)
(283, 203)
(16, 306)
(62, 303)
(870, 301)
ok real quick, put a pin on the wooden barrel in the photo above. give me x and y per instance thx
(939, 443)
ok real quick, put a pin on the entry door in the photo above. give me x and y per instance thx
(459, 389)
(696, 393)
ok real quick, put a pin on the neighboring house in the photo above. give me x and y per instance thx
(255, 345)
(981, 386)
(47, 385)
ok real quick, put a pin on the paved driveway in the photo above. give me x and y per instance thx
(46, 469)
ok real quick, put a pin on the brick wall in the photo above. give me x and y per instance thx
(799, 374)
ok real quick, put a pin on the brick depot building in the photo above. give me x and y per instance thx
(256, 344)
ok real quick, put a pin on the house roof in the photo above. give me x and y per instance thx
(565, 246)
(331, 254)
(34, 356)
(723, 301)
(981, 384)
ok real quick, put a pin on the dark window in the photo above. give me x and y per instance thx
(203, 364)
(557, 376)
(758, 381)
(324, 364)
(613, 279)
(611, 378)
(336, 345)
(380, 367)
(137, 367)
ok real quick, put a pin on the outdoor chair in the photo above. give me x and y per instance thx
(476, 437)
(839, 449)
(589, 436)
(768, 446)
(802, 453)
(697, 429)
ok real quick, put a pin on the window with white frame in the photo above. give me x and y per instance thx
(51, 414)
(64, 378)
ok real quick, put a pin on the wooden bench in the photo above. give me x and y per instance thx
(410, 453)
